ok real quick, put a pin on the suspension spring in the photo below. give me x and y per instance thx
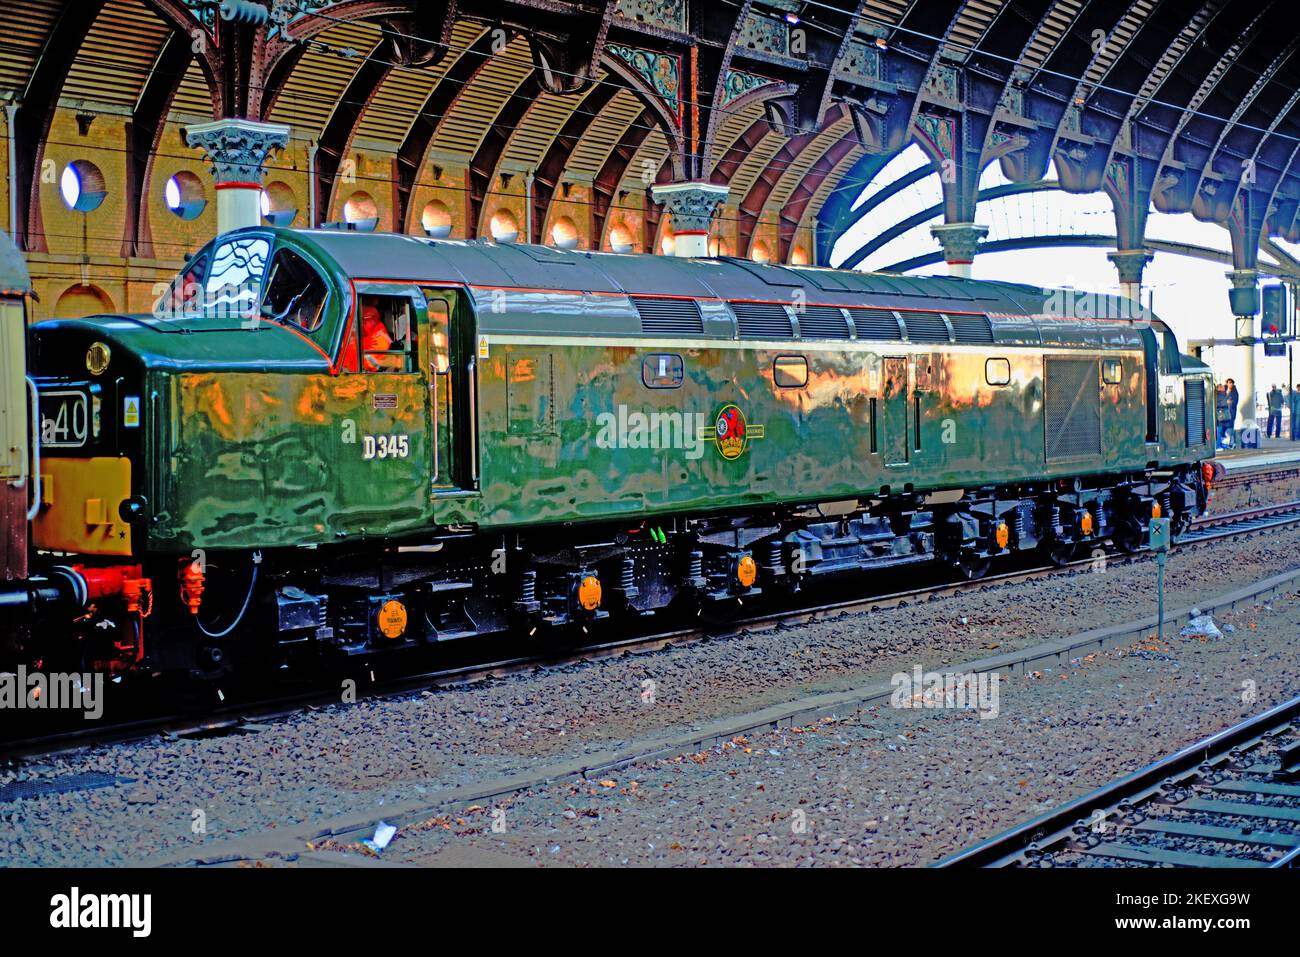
(528, 587)
(775, 562)
(695, 569)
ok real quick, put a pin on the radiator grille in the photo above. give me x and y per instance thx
(823, 322)
(879, 324)
(925, 327)
(972, 330)
(1194, 395)
(668, 317)
(763, 320)
(1072, 415)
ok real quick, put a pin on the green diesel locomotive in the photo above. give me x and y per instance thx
(335, 441)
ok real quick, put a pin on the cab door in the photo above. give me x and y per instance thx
(387, 437)
(1166, 423)
(452, 381)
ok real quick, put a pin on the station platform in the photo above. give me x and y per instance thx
(1271, 453)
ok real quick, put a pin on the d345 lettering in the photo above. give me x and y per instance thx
(385, 446)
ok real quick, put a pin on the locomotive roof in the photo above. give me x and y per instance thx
(14, 278)
(524, 266)
(540, 283)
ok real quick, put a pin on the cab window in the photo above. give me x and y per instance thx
(385, 327)
(234, 283)
(185, 294)
(295, 292)
(1170, 362)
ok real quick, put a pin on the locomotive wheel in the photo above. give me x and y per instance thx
(719, 613)
(191, 693)
(1061, 554)
(1128, 538)
(974, 567)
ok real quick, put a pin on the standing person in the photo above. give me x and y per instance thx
(1274, 427)
(1222, 416)
(1294, 402)
(1233, 399)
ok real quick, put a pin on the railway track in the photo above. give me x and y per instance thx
(1231, 800)
(1241, 522)
(1262, 475)
(238, 717)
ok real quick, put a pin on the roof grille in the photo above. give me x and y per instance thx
(971, 330)
(925, 327)
(668, 317)
(823, 322)
(763, 320)
(879, 324)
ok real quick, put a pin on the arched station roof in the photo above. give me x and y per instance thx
(796, 104)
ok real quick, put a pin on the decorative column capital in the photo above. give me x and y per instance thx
(238, 148)
(1243, 297)
(1243, 278)
(691, 205)
(960, 241)
(1130, 263)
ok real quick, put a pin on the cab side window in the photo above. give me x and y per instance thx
(185, 294)
(387, 334)
(295, 292)
(1170, 362)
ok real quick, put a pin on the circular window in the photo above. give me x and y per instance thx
(761, 254)
(184, 195)
(360, 212)
(504, 226)
(279, 204)
(82, 186)
(564, 234)
(799, 257)
(620, 238)
(436, 219)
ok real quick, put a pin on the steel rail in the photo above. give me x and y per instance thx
(1021, 843)
(236, 715)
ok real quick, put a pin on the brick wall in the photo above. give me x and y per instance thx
(82, 266)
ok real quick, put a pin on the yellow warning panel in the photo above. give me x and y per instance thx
(79, 507)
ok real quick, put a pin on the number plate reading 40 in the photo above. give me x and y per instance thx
(65, 420)
(385, 446)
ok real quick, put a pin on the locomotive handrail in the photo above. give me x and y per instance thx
(473, 419)
(36, 449)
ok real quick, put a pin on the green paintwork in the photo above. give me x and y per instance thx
(252, 437)
(816, 442)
